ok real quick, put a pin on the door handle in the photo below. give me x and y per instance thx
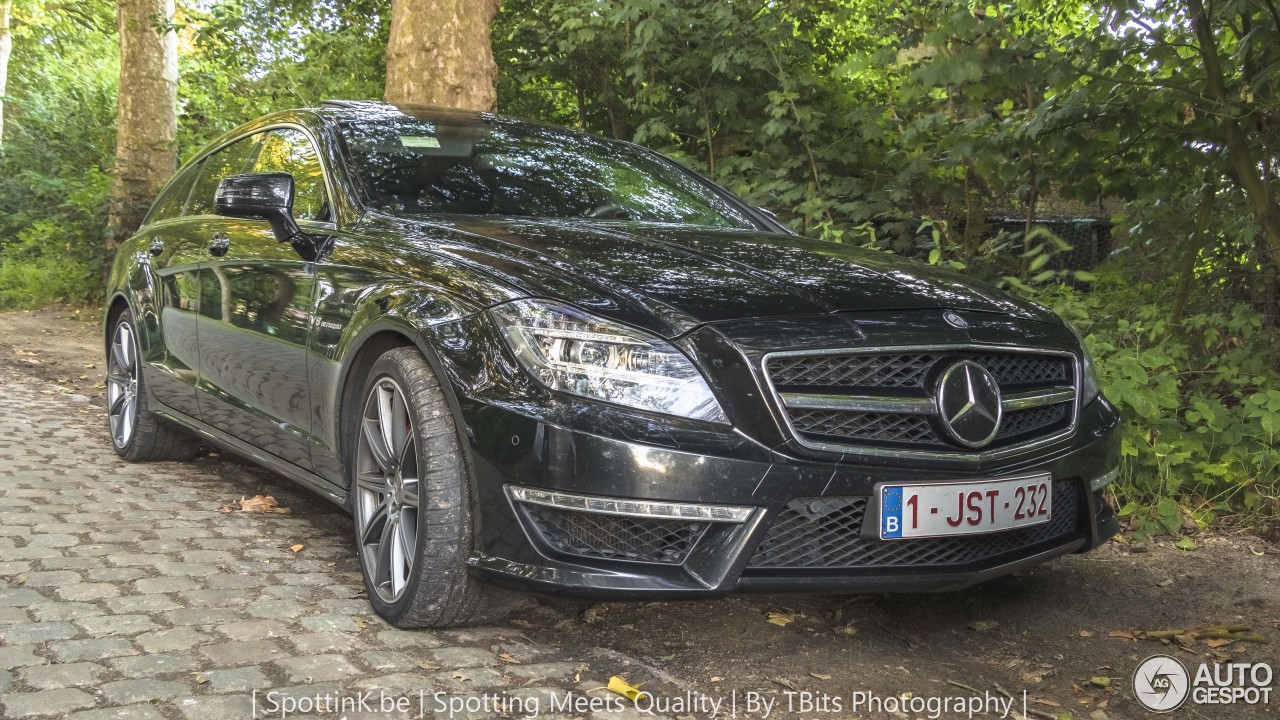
(219, 245)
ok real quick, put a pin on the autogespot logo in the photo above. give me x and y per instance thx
(1161, 683)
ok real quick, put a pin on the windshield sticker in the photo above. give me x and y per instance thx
(419, 141)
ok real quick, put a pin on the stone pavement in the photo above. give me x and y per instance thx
(128, 595)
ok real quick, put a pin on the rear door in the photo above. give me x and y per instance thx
(255, 312)
(170, 350)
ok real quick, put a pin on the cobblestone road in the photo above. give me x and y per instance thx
(128, 595)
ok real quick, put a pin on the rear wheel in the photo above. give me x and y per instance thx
(412, 501)
(136, 433)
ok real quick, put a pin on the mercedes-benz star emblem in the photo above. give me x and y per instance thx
(954, 320)
(969, 403)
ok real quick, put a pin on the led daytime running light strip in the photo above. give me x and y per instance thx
(633, 508)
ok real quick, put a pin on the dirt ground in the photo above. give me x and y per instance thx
(1062, 633)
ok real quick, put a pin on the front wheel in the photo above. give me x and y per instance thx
(136, 433)
(412, 501)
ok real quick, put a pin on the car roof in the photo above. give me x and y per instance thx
(343, 110)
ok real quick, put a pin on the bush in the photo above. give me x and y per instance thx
(1201, 402)
(37, 269)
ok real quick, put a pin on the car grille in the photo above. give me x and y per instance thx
(615, 537)
(911, 377)
(826, 533)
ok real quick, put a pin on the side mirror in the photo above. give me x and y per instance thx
(268, 196)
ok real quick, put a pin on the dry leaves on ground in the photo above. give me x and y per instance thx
(258, 504)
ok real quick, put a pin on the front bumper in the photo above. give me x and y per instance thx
(521, 545)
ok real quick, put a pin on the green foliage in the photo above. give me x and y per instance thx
(35, 270)
(1201, 405)
(59, 133)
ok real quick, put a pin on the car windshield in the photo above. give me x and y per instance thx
(409, 166)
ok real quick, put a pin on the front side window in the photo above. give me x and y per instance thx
(234, 159)
(291, 151)
(409, 166)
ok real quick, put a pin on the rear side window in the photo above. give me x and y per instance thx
(234, 159)
(172, 199)
(290, 151)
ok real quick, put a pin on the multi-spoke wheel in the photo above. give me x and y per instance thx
(387, 489)
(136, 432)
(122, 385)
(411, 498)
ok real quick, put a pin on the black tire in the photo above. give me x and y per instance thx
(435, 586)
(149, 438)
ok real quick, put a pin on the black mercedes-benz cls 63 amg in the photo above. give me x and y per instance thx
(529, 358)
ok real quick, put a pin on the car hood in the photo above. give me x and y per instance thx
(673, 278)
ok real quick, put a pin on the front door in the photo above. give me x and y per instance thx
(256, 296)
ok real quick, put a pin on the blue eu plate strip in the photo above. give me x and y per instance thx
(891, 512)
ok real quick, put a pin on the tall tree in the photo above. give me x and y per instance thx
(6, 48)
(147, 115)
(440, 53)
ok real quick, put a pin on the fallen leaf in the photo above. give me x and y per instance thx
(1086, 633)
(1165, 583)
(1032, 677)
(780, 619)
(784, 683)
(820, 676)
(983, 625)
(845, 630)
(1100, 681)
(360, 622)
(1217, 642)
(1125, 634)
(624, 688)
(1185, 544)
(297, 548)
(507, 657)
(715, 679)
(262, 504)
(201, 679)
(428, 666)
(594, 614)
(1046, 702)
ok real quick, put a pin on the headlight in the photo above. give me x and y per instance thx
(574, 352)
(1088, 374)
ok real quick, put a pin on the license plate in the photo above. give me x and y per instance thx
(965, 508)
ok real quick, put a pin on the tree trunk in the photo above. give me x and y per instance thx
(1265, 210)
(147, 115)
(6, 48)
(440, 54)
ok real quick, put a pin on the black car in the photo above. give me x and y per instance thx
(530, 358)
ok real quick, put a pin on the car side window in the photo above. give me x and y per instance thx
(173, 198)
(291, 151)
(234, 159)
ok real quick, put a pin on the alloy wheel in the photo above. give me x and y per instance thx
(387, 489)
(122, 385)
